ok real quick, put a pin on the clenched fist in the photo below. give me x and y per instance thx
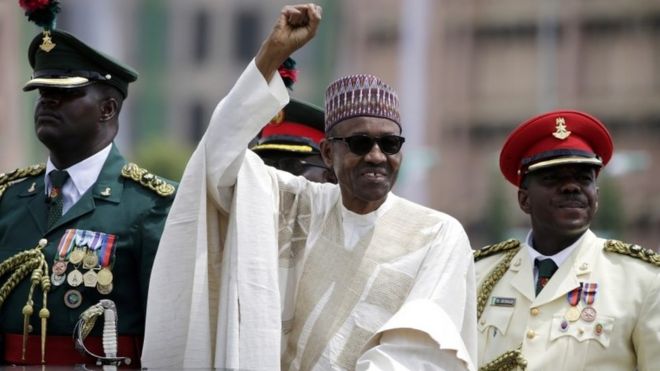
(296, 25)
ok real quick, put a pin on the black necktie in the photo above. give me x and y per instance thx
(57, 180)
(547, 268)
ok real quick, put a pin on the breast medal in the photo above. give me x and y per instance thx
(573, 297)
(589, 290)
(74, 278)
(90, 278)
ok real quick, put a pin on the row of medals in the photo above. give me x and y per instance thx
(102, 279)
(587, 314)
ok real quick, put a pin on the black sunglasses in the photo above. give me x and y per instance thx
(362, 144)
(294, 166)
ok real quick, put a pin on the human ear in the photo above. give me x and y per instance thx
(523, 200)
(109, 108)
(326, 152)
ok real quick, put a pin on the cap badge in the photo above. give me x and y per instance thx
(278, 118)
(47, 43)
(560, 129)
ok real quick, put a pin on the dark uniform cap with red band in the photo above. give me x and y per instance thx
(554, 139)
(298, 128)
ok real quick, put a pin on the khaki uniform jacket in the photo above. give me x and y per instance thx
(625, 333)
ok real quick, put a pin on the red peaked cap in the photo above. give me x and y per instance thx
(553, 139)
(299, 128)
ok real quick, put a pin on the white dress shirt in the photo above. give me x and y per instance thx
(81, 177)
(558, 258)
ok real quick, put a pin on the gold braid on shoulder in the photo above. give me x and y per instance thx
(507, 361)
(20, 265)
(489, 250)
(513, 358)
(146, 179)
(635, 251)
(6, 179)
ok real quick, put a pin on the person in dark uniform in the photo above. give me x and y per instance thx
(290, 142)
(83, 227)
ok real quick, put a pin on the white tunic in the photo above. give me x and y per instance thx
(400, 295)
(624, 335)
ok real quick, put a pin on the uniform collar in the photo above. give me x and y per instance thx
(83, 174)
(559, 257)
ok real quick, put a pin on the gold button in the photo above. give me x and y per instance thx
(535, 311)
(584, 266)
(531, 334)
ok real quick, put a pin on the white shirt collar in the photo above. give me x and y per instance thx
(81, 176)
(357, 225)
(559, 257)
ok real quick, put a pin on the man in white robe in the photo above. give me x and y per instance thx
(259, 269)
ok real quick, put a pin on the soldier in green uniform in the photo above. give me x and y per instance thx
(564, 299)
(291, 140)
(83, 227)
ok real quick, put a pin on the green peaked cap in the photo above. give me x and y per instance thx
(61, 60)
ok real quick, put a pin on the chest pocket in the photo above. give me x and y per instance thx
(600, 330)
(493, 326)
(495, 320)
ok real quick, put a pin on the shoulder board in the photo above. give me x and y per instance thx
(495, 249)
(6, 179)
(148, 180)
(635, 251)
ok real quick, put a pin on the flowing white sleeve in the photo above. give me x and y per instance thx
(406, 349)
(250, 104)
(436, 328)
(192, 270)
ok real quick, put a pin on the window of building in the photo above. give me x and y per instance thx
(198, 121)
(247, 31)
(201, 36)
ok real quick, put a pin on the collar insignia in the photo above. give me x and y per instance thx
(106, 192)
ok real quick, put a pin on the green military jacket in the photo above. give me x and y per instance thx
(130, 210)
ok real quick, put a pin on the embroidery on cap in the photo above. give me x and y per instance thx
(560, 129)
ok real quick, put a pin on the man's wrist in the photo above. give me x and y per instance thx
(269, 58)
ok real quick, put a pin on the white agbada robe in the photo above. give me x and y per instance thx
(287, 288)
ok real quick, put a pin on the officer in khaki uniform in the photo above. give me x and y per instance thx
(291, 140)
(565, 299)
(83, 227)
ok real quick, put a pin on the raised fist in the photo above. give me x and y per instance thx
(295, 26)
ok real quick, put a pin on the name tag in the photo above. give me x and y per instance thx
(502, 302)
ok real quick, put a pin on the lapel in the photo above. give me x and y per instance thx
(523, 274)
(571, 272)
(108, 188)
(37, 205)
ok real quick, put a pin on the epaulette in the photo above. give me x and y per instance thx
(635, 251)
(148, 180)
(489, 250)
(6, 179)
